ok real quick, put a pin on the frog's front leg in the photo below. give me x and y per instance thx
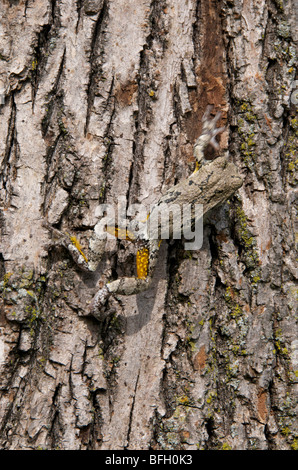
(146, 262)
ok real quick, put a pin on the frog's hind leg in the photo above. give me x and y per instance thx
(71, 243)
(146, 262)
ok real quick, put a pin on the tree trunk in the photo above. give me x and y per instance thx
(103, 99)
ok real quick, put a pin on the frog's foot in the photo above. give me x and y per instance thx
(98, 305)
(59, 238)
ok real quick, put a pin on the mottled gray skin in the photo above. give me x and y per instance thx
(212, 183)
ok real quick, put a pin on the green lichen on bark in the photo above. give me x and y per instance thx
(247, 241)
(246, 126)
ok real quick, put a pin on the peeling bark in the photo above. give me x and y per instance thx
(104, 98)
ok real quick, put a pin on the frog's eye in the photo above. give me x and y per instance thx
(142, 263)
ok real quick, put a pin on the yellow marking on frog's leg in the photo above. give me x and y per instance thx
(197, 167)
(145, 220)
(142, 263)
(129, 285)
(76, 243)
(122, 233)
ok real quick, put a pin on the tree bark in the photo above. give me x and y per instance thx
(103, 99)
